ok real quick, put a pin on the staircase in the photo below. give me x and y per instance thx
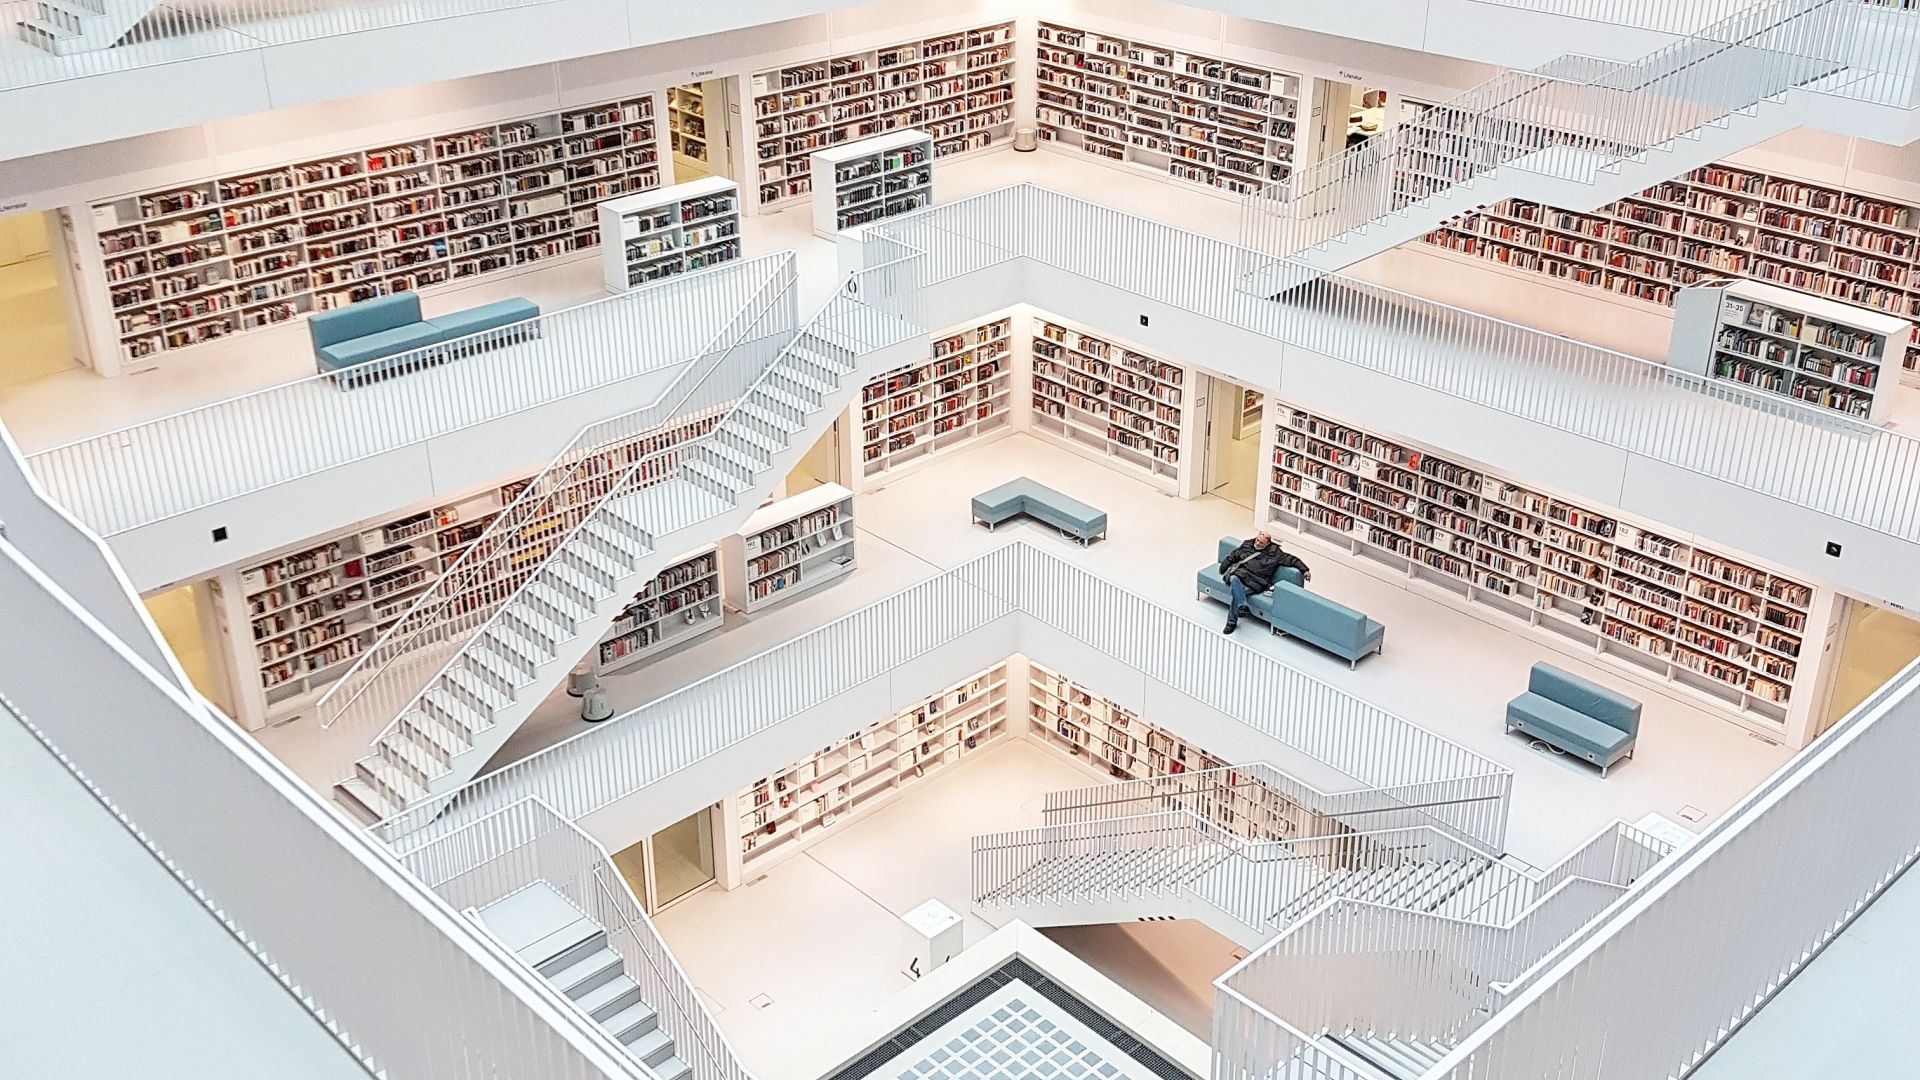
(1576, 132)
(572, 952)
(1181, 865)
(65, 27)
(449, 683)
(1396, 1059)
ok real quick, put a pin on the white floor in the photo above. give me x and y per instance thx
(113, 968)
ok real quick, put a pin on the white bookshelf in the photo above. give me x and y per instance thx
(1107, 400)
(293, 623)
(1219, 123)
(1816, 351)
(1117, 744)
(862, 182)
(779, 815)
(201, 261)
(964, 391)
(1728, 633)
(687, 122)
(679, 605)
(789, 547)
(1718, 221)
(667, 231)
(957, 87)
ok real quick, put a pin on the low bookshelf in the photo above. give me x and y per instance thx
(668, 231)
(955, 86)
(1816, 351)
(862, 182)
(963, 392)
(679, 605)
(1104, 399)
(789, 547)
(1720, 629)
(779, 815)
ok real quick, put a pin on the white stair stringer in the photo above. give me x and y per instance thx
(574, 953)
(1731, 87)
(65, 27)
(498, 677)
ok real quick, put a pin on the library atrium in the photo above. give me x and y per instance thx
(1072, 539)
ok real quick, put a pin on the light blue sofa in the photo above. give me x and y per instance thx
(1042, 504)
(356, 339)
(1292, 610)
(1581, 717)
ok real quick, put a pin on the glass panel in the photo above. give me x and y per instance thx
(682, 857)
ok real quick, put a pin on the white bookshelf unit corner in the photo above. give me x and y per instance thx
(860, 182)
(680, 604)
(667, 231)
(1108, 401)
(964, 392)
(1816, 351)
(790, 547)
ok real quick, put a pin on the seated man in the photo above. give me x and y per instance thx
(1250, 569)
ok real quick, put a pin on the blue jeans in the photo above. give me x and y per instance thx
(1238, 591)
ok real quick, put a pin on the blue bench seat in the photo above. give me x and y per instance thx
(494, 316)
(1291, 609)
(386, 335)
(1580, 717)
(1041, 503)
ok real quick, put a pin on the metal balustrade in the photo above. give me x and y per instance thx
(404, 983)
(1380, 970)
(71, 39)
(1665, 16)
(1802, 456)
(643, 746)
(1578, 119)
(1605, 1005)
(137, 475)
(528, 842)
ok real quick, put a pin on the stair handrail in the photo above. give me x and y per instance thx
(1500, 122)
(528, 842)
(442, 613)
(845, 306)
(1485, 957)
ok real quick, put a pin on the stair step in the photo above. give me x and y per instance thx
(712, 479)
(605, 528)
(530, 623)
(482, 654)
(674, 505)
(421, 762)
(509, 640)
(483, 696)
(672, 1069)
(792, 403)
(754, 434)
(632, 1023)
(750, 465)
(429, 729)
(458, 714)
(588, 972)
(560, 607)
(373, 804)
(609, 998)
(767, 418)
(599, 567)
(574, 584)
(389, 779)
(653, 1047)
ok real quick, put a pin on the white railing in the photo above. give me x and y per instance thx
(1578, 118)
(1802, 456)
(1471, 808)
(1360, 967)
(606, 460)
(1665, 16)
(1264, 884)
(625, 755)
(123, 35)
(406, 985)
(147, 472)
(1607, 1005)
(528, 842)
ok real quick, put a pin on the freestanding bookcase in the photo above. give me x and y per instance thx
(1817, 351)
(860, 182)
(668, 231)
(790, 547)
(678, 605)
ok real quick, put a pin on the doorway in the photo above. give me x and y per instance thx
(184, 616)
(1350, 115)
(1875, 643)
(701, 117)
(34, 300)
(820, 465)
(672, 864)
(1232, 438)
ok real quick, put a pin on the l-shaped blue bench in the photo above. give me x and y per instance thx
(364, 340)
(1292, 610)
(1583, 718)
(1042, 504)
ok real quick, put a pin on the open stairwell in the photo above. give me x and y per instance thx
(1396, 1059)
(574, 953)
(578, 585)
(1576, 133)
(65, 27)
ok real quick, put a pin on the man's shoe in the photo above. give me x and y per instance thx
(1232, 625)
(1244, 612)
